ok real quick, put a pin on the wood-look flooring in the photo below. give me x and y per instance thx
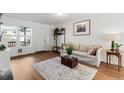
(22, 68)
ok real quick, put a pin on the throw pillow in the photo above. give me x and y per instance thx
(76, 47)
(83, 47)
(64, 46)
(94, 51)
(91, 51)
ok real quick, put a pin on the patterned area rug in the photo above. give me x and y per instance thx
(52, 69)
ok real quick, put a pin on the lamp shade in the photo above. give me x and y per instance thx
(112, 37)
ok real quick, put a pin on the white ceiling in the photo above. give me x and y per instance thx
(46, 18)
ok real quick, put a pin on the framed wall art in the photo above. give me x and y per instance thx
(81, 27)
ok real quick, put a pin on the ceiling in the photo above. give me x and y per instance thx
(46, 18)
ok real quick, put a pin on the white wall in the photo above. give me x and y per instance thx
(5, 60)
(100, 25)
(37, 30)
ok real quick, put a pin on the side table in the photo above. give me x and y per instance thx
(118, 54)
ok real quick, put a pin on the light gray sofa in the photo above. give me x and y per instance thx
(82, 53)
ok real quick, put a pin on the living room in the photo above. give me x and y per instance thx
(30, 39)
(61, 46)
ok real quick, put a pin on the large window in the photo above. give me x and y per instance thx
(25, 36)
(10, 34)
(21, 36)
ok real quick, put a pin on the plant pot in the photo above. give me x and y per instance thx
(69, 56)
(112, 49)
(117, 49)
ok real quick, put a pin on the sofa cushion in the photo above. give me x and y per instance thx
(79, 53)
(84, 54)
(75, 47)
(94, 46)
(83, 47)
(87, 47)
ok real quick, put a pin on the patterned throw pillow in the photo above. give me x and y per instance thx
(93, 51)
(90, 51)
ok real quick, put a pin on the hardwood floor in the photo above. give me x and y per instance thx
(22, 68)
(110, 73)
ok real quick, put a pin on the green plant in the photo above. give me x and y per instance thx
(69, 50)
(113, 45)
(56, 31)
(62, 29)
(2, 47)
(117, 45)
(0, 36)
(55, 34)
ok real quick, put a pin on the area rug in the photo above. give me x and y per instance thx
(52, 69)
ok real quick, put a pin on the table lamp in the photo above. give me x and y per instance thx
(112, 37)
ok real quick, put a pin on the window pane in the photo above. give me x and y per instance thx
(8, 30)
(25, 41)
(25, 31)
(11, 38)
(9, 33)
(11, 41)
(29, 31)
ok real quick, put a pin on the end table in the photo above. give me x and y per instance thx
(118, 54)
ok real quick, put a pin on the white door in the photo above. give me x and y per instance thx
(39, 39)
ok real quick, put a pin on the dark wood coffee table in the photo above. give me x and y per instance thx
(70, 62)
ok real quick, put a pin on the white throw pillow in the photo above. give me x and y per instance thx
(83, 47)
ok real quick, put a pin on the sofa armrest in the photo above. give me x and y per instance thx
(98, 56)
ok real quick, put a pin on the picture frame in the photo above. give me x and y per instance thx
(81, 28)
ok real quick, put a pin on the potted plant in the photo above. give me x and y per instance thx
(55, 34)
(62, 29)
(0, 36)
(69, 51)
(117, 46)
(2, 47)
